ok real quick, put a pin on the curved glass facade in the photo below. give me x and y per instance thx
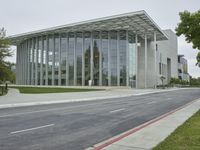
(107, 58)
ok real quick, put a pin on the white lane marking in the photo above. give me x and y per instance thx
(117, 110)
(132, 115)
(153, 102)
(30, 129)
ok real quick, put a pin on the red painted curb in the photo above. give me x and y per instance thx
(131, 131)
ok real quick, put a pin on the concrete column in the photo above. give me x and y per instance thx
(36, 64)
(59, 67)
(118, 59)
(26, 62)
(47, 61)
(28, 68)
(127, 59)
(145, 61)
(75, 61)
(53, 63)
(83, 59)
(22, 62)
(32, 63)
(17, 66)
(26, 57)
(19, 63)
(22, 67)
(67, 64)
(109, 68)
(41, 62)
(155, 56)
(100, 60)
(136, 60)
(91, 58)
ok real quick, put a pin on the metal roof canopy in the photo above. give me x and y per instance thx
(139, 22)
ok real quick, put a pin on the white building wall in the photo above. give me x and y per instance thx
(141, 66)
(168, 49)
(150, 65)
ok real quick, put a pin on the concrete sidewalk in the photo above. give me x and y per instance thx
(16, 99)
(149, 134)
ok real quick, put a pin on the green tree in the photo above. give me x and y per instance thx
(190, 28)
(5, 51)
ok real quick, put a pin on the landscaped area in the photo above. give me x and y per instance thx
(3, 90)
(186, 137)
(37, 90)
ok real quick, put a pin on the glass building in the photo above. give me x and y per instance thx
(104, 52)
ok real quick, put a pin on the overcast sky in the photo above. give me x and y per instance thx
(19, 16)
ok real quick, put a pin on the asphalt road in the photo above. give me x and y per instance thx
(78, 125)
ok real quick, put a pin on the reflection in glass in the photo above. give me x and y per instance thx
(113, 57)
(96, 51)
(56, 58)
(39, 58)
(132, 64)
(104, 58)
(87, 50)
(63, 58)
(31, 58)
(44, 63)
(50, 60)
(79, 45)
(34, 60)
(71, 58)
(122, 57)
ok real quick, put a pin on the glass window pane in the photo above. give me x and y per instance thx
(132, 57)
(56, 62)
(87, 47)
(122, 57)
(50, 60)
(104, 58)
(71, 58)
(113, 57)
(63, 58)
(79, 45)
(39, 57)
(96, 53)
(44, 63)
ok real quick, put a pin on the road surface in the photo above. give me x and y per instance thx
(78, 125)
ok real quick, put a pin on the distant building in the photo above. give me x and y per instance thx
(183, 68)
(123, 50)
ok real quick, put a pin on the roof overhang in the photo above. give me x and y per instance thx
(139, 22)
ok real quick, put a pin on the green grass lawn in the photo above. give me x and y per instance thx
(37, 90)
(185, 137)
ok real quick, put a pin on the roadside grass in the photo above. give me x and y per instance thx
(185, 137)
(40, 90)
